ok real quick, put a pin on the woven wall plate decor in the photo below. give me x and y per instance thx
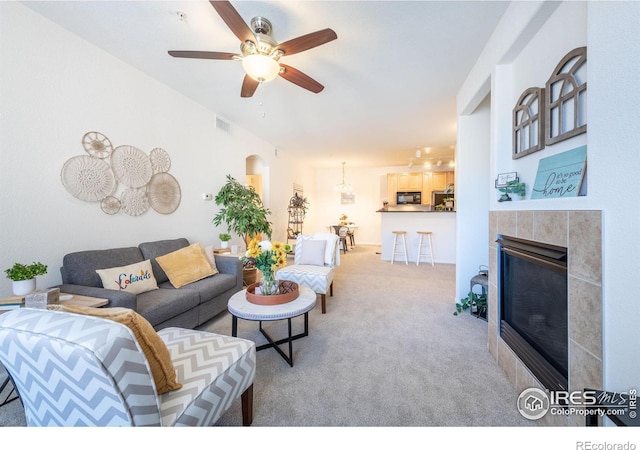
(163, 192)
(87, 178)
(135, 201)
(97, 144)
(131, 166)
(110, 205)
(160, 160)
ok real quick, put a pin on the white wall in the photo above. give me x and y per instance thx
(524, 56)
(472, 171)
(614, 163)
(55, 87)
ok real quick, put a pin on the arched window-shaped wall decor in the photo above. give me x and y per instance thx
(566, 98)
(528, 123)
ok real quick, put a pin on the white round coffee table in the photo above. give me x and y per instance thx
(241, 308)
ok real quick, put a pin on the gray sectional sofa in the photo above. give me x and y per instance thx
(186, 307)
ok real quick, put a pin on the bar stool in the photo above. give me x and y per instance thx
(403, 249)
(422, 246)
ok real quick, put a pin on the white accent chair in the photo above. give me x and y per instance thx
(312, 269)
(78, 370)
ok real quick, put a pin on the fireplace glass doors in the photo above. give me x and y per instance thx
(533, 307)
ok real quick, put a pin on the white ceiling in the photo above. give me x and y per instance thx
(390, 78)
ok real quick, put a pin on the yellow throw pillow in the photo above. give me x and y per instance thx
(135, 278)
(154, 348)
(186, 265)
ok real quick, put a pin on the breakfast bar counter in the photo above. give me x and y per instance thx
(441, 223)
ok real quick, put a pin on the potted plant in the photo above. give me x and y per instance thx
(448, 203)
(24, 276)
(512, 187)
(224, 239)
(475, 303)
(243, 212)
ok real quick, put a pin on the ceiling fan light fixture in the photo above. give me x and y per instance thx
(260, 67)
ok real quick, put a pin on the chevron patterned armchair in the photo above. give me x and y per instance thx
(78, 370)
(314, 261)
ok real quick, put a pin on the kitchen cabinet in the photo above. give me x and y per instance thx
(426, 188)
(392, 188)
(410, 182)
(440, 180)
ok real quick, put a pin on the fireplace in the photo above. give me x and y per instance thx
(532, 295)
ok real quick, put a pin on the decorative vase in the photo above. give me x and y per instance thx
(268, 285)
(24, 287)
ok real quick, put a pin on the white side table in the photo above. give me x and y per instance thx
(241, 308)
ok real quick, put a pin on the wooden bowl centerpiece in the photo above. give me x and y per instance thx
(287, 292)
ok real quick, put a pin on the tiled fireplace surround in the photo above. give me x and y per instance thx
(581, 233)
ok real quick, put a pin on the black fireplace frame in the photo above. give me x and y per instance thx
(549, 256)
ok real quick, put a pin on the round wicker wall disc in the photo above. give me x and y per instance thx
(131, 166)
(86, 178)
(160, 160)
(135, 201)
(97, 144)
(163, 192)
(110, 205)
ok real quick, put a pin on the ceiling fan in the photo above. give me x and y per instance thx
(260, 52)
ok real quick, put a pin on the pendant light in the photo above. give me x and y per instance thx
(343, 187)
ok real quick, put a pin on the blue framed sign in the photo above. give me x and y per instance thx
(560, 176)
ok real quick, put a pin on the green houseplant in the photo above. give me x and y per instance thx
(242, 210)
(224, 239)
(512, 187)
(476, 303)
(24, 276)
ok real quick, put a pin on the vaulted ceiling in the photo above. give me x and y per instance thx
(390, 77)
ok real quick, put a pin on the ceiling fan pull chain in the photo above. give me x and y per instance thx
(261, 101)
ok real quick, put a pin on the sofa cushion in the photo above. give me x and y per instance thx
(135, 278)
(186, 265)
(210, 288)
(154, 348)
(151, 250)
(163, 304)
(211, 257)
(80, 267)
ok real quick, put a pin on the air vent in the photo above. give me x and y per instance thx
(222, 125)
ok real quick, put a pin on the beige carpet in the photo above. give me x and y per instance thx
(388, 352)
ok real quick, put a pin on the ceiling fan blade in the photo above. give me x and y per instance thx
(233, 20)
(301, 79)
(307, 41)
(201, 55)
(249, 86)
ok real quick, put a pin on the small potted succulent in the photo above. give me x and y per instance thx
(24, 276)
(224, 240)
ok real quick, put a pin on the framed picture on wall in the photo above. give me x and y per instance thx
(347, 198)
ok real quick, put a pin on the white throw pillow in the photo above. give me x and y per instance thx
(312, 252)
(135, 278)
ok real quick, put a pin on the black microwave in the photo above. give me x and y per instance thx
(408, 198)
